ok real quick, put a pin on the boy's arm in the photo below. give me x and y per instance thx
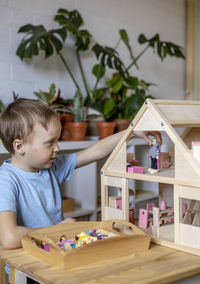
(105, 146)
(10, 233)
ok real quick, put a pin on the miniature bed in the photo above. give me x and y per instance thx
(180, 182)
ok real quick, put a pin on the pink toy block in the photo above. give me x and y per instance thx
(135, 169)
(150, 205)
(143, 218)
(118, 204)
(163, 205)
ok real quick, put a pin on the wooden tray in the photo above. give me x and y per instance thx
(128, 240)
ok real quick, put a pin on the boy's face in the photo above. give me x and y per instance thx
(41, 147)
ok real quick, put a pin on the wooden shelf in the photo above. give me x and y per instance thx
(78, 212)
(163, 176)
(142, 195)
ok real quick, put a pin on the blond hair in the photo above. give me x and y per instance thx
(18, 119)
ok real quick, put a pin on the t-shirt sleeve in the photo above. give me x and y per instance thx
(8, 194)
(64, 166)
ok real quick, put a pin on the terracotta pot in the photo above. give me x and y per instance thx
(105, 128)
(78, 130)
(122, 124)
(65, 119)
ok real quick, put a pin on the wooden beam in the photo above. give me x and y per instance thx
(190, 10)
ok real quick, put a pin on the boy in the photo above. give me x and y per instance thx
(30, 181)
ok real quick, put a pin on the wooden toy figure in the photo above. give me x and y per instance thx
(154, 154)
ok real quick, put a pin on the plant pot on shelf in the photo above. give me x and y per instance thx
(78, 130)
(105, 128)
(65, 119)
(122, 124)
(92, 129)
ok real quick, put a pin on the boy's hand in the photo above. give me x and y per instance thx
(67, 220)
(145, 135)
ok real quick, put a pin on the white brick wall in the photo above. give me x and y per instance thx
(103, 19)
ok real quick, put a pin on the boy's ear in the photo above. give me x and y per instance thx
(18, 146)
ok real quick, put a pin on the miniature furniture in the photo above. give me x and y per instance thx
(179, 183)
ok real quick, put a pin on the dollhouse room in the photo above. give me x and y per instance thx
(132, 213)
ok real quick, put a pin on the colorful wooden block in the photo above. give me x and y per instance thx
(118, 203)
(150, 205)
(135, 169)
(143, 218)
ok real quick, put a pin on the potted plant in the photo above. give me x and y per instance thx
(51, 42)
(78, 127)
(126, 93)
(61, 106)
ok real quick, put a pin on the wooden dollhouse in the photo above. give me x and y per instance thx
(179, 183)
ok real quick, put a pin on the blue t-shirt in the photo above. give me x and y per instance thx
(35, 197)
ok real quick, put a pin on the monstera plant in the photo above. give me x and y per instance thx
(121, 95)
(127, 92)
(51, 42)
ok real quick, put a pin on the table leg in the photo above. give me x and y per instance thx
(12, 275)
(3, 275)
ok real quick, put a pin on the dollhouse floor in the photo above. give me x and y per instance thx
(166, 232)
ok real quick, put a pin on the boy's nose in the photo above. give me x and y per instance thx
(56, 148)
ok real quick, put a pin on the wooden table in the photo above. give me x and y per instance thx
(157, 265)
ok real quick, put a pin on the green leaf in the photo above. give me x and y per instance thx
(124, 36)
(56, 43)
(83, 40)
(38, 38)
(98, 71)
(118, 85)
(100, 93)
(142, 39)
(108, 107)
(50, 96)
(108, 56)
(25, 28)
(132, 82)
(163, 48)
(72, 21)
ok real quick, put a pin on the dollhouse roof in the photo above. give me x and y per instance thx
(163, 115)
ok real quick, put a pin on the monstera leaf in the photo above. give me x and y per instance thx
(163, 48)
(38, 38)
(110, 57)
(72, 21)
